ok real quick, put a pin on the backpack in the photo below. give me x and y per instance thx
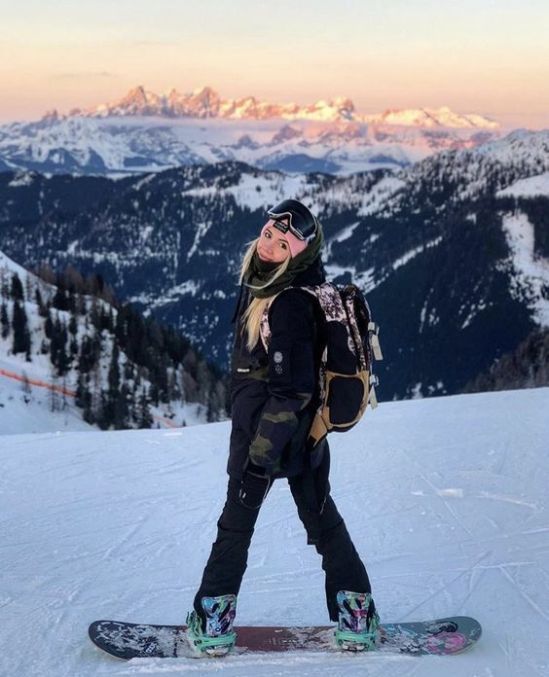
(347, 383)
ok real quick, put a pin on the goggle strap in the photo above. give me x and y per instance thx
(284, 228)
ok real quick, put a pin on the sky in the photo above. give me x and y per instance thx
(489, 57)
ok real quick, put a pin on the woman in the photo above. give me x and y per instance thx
(274, 394)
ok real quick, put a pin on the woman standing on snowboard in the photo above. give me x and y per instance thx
(274, 395)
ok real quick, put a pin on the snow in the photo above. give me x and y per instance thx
(204, 101)
(254, 192)
(403, 260)
(21, 178)
(376, 199)
(33, 399)
(530, 187)
(433, 117)
(531, 272)
(326, 130)
(31, 411)
(446, 500)
(10, 266)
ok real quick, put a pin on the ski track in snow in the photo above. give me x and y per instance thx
(445, 498)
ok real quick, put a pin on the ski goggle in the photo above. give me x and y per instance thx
(296, 218)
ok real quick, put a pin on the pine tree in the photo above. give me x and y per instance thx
(21, 334)
(60, 299)
(114, 371)
(145, 416)
(48, 325)
(4, 320)
(4, 284)
(16, 288)
(58, 351)
(122, 408)
(28, 287)
(42, 309)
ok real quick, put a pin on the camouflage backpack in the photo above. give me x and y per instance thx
(347, 383)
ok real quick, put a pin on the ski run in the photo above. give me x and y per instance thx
(446, 499)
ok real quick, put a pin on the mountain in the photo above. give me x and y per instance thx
(445, 499)
(431, 117)
(144, 131)
(72, 357)
(452, 252)
(526, 367)
(205, 102)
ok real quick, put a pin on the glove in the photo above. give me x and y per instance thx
(254, 486)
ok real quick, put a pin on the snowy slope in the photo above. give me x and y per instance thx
(24, 411)
(446, 499)
(532, 186)
(32, 398)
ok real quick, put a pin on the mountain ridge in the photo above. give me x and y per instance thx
(205, 102)
(435, 247)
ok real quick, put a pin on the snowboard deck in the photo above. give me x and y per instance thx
(443, 636)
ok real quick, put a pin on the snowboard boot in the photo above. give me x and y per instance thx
(358, 621)
(213, 634)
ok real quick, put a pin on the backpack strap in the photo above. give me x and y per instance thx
(264, 326)
(338, 308)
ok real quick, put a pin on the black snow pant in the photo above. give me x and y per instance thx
(325, 529)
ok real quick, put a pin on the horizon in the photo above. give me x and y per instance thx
(478, 58)
(166, 91)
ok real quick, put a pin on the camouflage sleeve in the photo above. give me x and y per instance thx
(292, 377)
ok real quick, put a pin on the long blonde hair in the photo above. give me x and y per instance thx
(254, 312)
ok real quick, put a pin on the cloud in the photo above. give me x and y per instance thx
(83, 74)
(154, 43)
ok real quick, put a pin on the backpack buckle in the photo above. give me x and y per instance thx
(373, 339)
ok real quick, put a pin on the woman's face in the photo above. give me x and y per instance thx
(271, 245)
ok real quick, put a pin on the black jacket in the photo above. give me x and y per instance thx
(274, 395)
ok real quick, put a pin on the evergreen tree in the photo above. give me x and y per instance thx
(21, 334)
(89, 354)
(73, 325)
(114, 371)
(115, 413)
(60, 299)
(48, 325)
(4, 320)
(145, 416)
(58, 350)
(16, 288)
(28, 287)
(42, 309)
(122, 408)
(4, 284)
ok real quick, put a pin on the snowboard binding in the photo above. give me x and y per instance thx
(358, 621)
(213, 634)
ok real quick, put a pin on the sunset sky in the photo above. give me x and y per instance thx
(487, 57)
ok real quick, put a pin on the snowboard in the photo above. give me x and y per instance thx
(439, 637)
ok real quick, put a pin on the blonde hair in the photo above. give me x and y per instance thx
(254, 312)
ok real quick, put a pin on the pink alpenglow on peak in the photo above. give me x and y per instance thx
(205, 102)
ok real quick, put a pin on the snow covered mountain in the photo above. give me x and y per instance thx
(446, 500)
(452, 252)
(144, 131)
(206, 103)
(66, 362)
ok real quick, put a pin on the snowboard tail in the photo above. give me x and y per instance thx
(440, 637)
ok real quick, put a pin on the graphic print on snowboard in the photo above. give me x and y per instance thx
(440, 637)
